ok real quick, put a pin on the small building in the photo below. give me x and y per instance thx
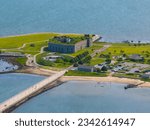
(52, 58)
(136, 57)
(86, 68)
(134, 70)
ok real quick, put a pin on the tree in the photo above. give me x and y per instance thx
(104, 68)
(120, 59)
(98, 70)
(124, 55)
(32, 45)
(121, 51)
(59, 60)
(75, 65)
(108, 61)
(148, 61)
(80, 62)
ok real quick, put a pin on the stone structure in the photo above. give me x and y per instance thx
(65, 45)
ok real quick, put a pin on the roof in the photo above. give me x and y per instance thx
(85, 67)
(135, 57)
(134, 70)
(71, 40)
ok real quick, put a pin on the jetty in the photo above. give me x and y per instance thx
(26, 94)
(132, 85)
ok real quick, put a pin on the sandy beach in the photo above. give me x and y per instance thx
(45, 72)
(36, 71)
(107, 79)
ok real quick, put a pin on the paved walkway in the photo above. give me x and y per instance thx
(29, 92)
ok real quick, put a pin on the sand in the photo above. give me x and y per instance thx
(107, 79)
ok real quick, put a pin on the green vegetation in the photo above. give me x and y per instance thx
(119, 48)
(82, 58)
(18, 41)
(63, 62)
(124, 75)
(35, 48)
(89, 49)
(21, 60)
(125, 49)
(80, 73)
(146, 80)
(62, 39)
(96, 60)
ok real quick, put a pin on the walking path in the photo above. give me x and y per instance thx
(100, 50)
(24, 95)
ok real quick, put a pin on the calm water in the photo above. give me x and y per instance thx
(75, 96)
(11, 84)
(114, 19)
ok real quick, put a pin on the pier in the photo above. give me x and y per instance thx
(24, 95)
(96, 38)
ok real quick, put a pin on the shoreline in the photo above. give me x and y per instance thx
(80, 78)
(61, 33)
(47, 73)
(25, 34)
(107, 79)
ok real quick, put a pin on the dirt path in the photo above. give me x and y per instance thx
(100, 50)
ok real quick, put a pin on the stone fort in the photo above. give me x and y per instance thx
(66, 44)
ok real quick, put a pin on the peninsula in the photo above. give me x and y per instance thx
(48, 53)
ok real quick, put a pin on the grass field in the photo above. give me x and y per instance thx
(91, 49)
(61, 65)
(18, 41)
(116, 49)
(21, 60)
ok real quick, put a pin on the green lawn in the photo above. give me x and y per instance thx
(116, 49)
(34, 49)
(60, 65)
(21, 60)
(96, 60)
(91, 49)
(80, 73)
(18, 41)
(124, 75)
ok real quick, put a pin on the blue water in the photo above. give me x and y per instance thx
(77, 96)
(115, 20)
(11, 84)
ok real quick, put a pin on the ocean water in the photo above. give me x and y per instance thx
(11, 84)
(81, 96)
(115, 20)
